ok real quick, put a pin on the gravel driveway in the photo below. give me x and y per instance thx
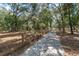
(48, 45)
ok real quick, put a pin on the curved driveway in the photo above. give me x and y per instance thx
(48, 45)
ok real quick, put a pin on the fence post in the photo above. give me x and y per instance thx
(23, 38)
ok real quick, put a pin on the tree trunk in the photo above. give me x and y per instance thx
(70, 24)
(63, 26)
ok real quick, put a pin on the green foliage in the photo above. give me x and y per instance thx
(22, 16)
(45, 18)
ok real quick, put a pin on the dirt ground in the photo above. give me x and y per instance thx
(11, 43)
(70, 43)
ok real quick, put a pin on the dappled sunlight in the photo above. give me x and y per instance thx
(70, 43)
(77, 38)
(17, 41)
(2, 40)
(46, 46)
(33, 29)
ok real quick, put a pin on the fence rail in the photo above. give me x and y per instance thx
(7, 44)
(12, 45)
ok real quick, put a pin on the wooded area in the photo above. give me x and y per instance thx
(23, 24)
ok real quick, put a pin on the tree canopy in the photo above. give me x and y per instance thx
(38, 16)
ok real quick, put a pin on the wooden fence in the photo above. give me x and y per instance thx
(10, 45)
